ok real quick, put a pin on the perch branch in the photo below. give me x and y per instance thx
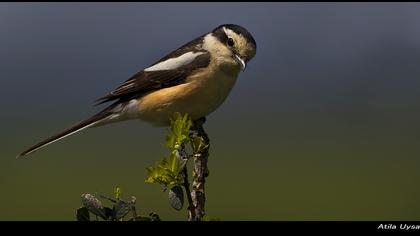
(200, 171)
(182, 154)
(191, 208)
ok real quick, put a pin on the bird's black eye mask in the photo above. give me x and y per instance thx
(221, 35)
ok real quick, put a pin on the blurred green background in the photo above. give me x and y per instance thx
(323, 124)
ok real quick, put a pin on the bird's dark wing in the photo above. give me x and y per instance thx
(192, 46)
(148, 81)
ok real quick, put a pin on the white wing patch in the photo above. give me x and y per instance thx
(176, 62)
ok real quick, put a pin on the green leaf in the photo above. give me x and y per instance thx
(93, 205)
(176, 197)
(83, 214)
(122, 208)
(170, 141)
(168, 171)
(180, 127)
(173, 162)
(117, 193)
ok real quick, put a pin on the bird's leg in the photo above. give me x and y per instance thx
(200, 171)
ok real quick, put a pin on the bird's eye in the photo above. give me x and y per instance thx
(230, 42)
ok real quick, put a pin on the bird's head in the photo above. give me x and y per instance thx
(236, 42)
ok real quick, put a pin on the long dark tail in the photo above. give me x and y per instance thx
(72, 130)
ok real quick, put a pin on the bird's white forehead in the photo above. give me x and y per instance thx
(176, 62)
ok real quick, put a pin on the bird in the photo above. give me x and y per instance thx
(195, 79)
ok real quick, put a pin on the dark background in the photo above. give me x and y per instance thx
(323, 124)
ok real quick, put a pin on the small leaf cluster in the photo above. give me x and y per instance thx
(168, 172)
(179, 132)
(120, 209)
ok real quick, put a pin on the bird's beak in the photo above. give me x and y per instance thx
(241, 62)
